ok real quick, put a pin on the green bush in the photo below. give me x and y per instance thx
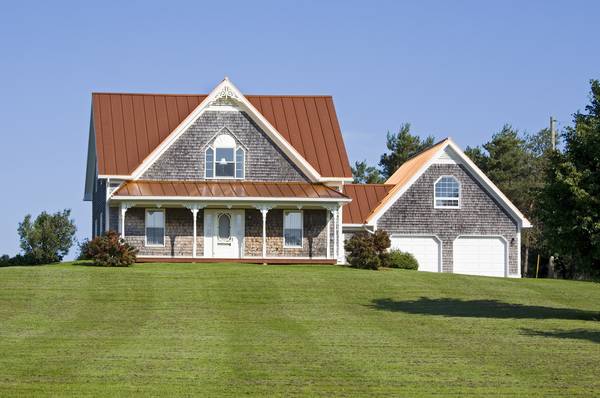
(368, 251)
(108, 250)
(19, 259)
(400, 259)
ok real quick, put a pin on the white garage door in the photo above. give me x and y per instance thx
(479, 256)
(426, 250)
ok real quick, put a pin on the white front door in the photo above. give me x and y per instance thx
(223, 233)
(480, 255)
(426, 249)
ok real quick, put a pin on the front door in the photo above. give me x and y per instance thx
(223, 233)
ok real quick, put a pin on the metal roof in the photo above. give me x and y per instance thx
(129, 127)
(365, 198)
(228, 189)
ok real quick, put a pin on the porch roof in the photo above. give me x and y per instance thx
(223, 190)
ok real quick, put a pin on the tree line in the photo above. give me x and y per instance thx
(558, 190)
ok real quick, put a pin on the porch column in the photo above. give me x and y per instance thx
(340, 238)
(334, 212)
(124, 207)
(194, 209)
(328, 234)
(264, 210)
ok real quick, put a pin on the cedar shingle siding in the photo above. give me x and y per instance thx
(480, 214)
(184, 160)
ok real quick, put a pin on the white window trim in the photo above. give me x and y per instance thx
(243, 163)
(436, 198)
(235, 148)
(213, 155)
(220, 240)
(164, 227)
(285, 245)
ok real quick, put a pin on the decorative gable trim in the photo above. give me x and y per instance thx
(226, 90)
(456, 154)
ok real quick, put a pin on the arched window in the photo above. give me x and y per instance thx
(447, 193)
(224, 159)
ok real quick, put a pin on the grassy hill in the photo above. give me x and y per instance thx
(232, 330)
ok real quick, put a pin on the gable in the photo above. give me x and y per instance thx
(131, 127)
(444, 152)
(184, 159)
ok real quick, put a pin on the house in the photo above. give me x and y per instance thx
(252, 178)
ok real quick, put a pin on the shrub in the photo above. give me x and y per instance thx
(109, 250)
(367, 251)
(19, 259)
(48, 238)
(400, 259)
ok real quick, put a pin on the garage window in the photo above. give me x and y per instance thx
(447, 193)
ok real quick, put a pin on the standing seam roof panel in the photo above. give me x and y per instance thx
(130, 129)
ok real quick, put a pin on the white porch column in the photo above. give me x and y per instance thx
(124, 207)
(334, 212)
(264, 210)
(194, 209)
(340, 256)
(328, 234)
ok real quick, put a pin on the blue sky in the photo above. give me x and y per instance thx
(459, 69)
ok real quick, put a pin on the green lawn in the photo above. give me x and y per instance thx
(234, 330)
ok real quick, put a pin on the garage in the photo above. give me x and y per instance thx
(480, 255)
(426, 249)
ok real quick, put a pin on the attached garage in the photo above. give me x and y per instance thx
(480, 255)
(426, 249)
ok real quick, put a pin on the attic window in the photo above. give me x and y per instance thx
(447, 193)
(224, 159)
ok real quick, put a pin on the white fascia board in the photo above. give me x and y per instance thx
(336, 179)
(91, 164)
(475, 171)
(227, 89)
(115, 176)
(491, 187)
(229, 199)
(376, 216)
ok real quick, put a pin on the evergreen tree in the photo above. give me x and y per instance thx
(570, 202)
(401, 147)
(364, 174)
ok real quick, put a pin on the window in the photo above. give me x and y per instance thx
(292, 229)
(155, 228)
(224, 163)
(239, 163)
(224, 232)
(447, 193)
(224, 159)
(210, 162)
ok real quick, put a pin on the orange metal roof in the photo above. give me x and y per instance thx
(365, 197)
(229, 189)
(130, 126)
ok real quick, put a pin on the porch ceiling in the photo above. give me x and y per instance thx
(220, 190)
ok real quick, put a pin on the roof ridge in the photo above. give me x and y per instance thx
(206, 95)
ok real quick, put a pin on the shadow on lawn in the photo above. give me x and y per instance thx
(579, 334)
(480, 309)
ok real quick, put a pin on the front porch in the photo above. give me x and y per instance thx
(210, 232)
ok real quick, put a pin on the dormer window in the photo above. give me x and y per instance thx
(447, 193)
(224, 159)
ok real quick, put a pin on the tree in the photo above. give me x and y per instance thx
(48, 238)
(364, 174)
(570, 201)
(401, 147)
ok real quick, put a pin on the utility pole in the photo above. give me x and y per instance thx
(553, 132)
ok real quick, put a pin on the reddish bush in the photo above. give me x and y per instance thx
(109, 250)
